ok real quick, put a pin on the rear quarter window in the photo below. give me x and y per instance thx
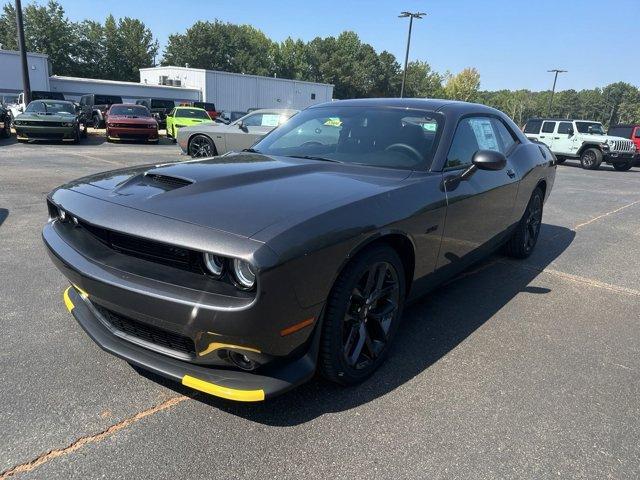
(533, 126)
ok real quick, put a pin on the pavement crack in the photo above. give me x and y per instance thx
(86, 440)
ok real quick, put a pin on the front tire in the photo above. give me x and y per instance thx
(591, 159)
(201, 146)
(623, 167)
(362, 315)
(525, 237)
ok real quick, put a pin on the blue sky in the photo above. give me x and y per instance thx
(511, 42)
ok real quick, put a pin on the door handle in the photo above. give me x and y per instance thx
(511, 173)
(556, 138)
(542, 136)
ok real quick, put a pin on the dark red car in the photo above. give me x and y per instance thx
(131, 122)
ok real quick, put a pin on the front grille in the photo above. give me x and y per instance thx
(151, 250)
(33, 123)
(167, 181)
(622, 146)
(130, 125)
(148, 333)
(49, 135)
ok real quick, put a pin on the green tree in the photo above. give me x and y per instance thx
(137, 46)
(422, 81)
(48, 31)
(463, 86)
(221, 46)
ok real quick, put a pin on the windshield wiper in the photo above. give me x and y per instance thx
(313, 157)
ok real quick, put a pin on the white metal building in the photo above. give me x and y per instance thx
(238, 92)
(11, 72)
(73, 88)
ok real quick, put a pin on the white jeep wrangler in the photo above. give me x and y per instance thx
(582, 139)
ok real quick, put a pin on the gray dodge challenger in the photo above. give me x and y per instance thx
(243, 275)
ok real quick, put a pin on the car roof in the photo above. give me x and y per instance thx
(625, 125)
(549, 119)
(418, 103)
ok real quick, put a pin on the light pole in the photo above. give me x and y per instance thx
(411, 16)
(26, 86)
(553, 90)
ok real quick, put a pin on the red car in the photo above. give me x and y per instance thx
(131, 122)
(630, 131)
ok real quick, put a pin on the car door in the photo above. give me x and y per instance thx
(480, 210)
(247, 130)
(564, 142)
(546, 133)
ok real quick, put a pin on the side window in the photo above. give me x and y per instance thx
(253, 120)
(548, 127)
(506, 137)
(472, 134)
(533, 127)
(564, 128)
(637, 135)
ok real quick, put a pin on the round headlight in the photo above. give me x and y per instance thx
(244, 273)
(214, 263)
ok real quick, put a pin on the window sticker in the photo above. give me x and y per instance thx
(333, 122)
(270, 120)
(484, 133)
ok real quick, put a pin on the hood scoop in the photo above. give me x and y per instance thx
(165, 182)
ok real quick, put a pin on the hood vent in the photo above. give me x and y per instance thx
(165, 181)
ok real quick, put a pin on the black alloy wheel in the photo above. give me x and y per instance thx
(362, 315)
(201, 146)
(525, 236)
(591, 159)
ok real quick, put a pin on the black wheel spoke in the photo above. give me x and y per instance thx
(361, 338)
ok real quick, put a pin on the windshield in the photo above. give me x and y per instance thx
(595, 128)
(36, 95)
(51, 107)
(382, 137)
(192, 113)
(130, 110)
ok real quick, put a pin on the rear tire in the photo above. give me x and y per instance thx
(623, 167)
(591, 159)
(362, 315)
(525, 237)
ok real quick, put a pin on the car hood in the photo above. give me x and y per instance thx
(238, 193)
(600, 138)
(134, 120)
(45, 118)
(192, 121)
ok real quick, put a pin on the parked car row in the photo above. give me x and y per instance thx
(586, 141)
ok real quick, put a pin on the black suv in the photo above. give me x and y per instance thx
(159, 109)
(94, 107)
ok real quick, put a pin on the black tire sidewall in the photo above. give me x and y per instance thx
(207, 139)
(332, 362)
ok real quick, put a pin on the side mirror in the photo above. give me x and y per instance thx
(242, 126)
(485, 160)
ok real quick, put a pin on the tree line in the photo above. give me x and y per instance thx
(117, 48)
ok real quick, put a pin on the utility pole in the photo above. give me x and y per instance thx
(411, 16)
(26, 86)
(553, 90)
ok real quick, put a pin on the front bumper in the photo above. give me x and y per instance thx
(215, 320)
(229, 384)
(121, 133)
(620, 157)
(45, 133)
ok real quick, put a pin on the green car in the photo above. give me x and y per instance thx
(184, 117)
(49, 120)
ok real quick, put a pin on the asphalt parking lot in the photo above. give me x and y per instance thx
(514, 370)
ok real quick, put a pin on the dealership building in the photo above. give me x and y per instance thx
(228, 91)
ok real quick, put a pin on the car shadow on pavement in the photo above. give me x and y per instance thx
(8, 141)
(4, 213)
(431, 328)
(604, 167)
